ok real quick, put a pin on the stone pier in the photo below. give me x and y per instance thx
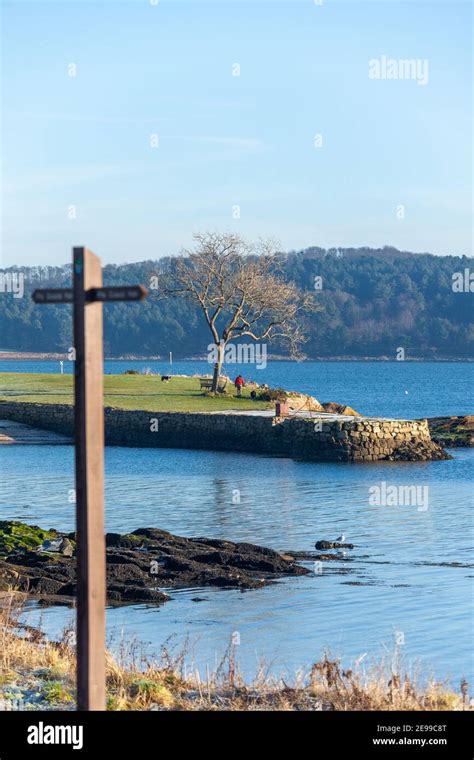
(309, 435)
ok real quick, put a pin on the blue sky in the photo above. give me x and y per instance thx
(224, 141)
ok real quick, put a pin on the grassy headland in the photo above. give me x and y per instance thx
(145, 392)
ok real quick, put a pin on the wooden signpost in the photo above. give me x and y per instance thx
(87, 296)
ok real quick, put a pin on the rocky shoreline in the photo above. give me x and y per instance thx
(452, 431)
(140, 564)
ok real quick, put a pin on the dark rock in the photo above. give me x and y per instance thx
(124, 573)
(69, 589)
(155, 534)
(324, 545)
(41, 585)
(124, 542)
(139, 563)
(133, 594)
(138, 558)
(418, 451)
(218, 543)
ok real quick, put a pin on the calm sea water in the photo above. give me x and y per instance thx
(409, 575)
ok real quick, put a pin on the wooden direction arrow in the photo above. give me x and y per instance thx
(121, 293)
(53, 295)
(87, 296)
(66, 295)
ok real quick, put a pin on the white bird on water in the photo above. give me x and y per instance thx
(341, 539)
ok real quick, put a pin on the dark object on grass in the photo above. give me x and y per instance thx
(165, 378)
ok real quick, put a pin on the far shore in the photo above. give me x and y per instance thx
(7, 355)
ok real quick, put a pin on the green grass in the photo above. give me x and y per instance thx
(56, 693)
(147, 392)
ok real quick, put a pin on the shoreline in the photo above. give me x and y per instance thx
(37, 673)
(39, 356)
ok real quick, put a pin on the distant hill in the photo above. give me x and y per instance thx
(375, 300)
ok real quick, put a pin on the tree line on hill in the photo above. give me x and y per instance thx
(372, 303)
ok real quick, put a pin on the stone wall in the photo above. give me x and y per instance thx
(360, 439)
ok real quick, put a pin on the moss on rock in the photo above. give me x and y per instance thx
(452, 431)
(15, 535)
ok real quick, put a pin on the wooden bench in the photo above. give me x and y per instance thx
(206, 383)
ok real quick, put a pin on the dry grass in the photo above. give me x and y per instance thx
(137, 682)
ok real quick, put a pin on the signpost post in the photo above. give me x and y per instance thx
(87, 296)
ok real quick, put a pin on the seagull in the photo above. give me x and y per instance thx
(341, 538)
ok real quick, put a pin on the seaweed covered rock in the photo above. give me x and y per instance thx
(139, 564)
(452, 431)
(17, 536)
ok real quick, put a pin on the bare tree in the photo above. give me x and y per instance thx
(241, 292)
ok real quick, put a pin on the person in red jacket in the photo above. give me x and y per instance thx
(239, 382)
